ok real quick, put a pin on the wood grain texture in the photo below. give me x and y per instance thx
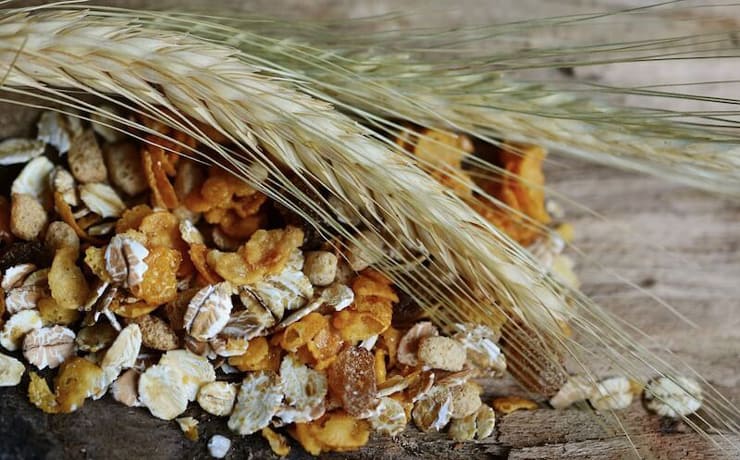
(676, 243)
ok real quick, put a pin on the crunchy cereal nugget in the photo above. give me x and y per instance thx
(52, 313)
(59, 234)
(66, 281)
(86, 159)
(156, 333)
(27, 217)
(124, 167)
(442, 353)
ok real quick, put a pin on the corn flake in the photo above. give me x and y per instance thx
(159, 285)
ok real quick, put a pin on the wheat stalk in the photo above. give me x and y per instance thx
(393, 198)
(467, 95)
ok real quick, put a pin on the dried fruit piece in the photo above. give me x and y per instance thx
(260, 396)
(78, 379)
(156, 333)
(59, 235)
(102, 199)
(613, 393)
(125, 389)
(576, 388)
(17, 151)
(278, 443)
(442, 353)
(352, 381)
(509, 404)
(320, 267)
(66, 281)
(27, 217)
(159, 284)
(125, 261)
(124, 167)
(160, 391)
(86, 159)
(196, 371)
(673, 397)
(218, 446)
(334, 432)
(189, 426)
(6, 236)
(48, 346)
(17, 327)
(11, 371)
(389, 417)
(217, 398)
(208, 311)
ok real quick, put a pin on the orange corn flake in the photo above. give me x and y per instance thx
(159, 285)
(334, 432)
(300, 333)
(372, 310)
(65, 212)
(260, 356)
(198, 256)
(131, 218)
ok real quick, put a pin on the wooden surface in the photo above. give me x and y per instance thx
(681, 245)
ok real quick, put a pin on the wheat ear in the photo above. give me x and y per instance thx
(467, 95)
(389, 194)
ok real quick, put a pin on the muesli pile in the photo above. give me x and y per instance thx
(137, 272)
